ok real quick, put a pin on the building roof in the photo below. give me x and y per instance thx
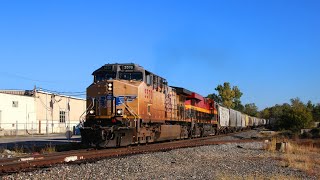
(31, 93)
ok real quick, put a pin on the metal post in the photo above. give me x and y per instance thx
(27, 120)
(52, 120)
(47, 123)
(68, 115)
(16, 128)
(32, 128)
(52, 102)
(0, 119)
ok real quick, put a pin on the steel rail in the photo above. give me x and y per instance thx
(28, 163)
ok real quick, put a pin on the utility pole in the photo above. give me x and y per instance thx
(51, 105)
(47, 123)
(67, 116)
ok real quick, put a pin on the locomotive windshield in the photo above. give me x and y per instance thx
(105, 76)
(131, 76)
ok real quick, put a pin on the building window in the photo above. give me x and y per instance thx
(14, 103)
(62, 117)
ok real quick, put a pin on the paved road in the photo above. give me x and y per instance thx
(36, 140)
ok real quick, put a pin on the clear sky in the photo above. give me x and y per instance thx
(270, 49)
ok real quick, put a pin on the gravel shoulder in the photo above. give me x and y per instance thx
(227, 161)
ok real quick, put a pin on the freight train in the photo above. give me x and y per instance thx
(127, 104)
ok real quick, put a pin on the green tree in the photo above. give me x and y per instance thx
(230, 97)
(236, 100)
(294, 116)
(295, 119)
(226, 94)
(215, 97)
(310, 106)
(265, 113)
(316, 113)
(251, 109)
(239, 107)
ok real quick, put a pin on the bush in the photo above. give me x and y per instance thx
(306, 135)
(287, 134)
(295, 120)
(315, 132)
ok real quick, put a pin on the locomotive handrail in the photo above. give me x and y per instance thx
(136, 116)
(86, 111)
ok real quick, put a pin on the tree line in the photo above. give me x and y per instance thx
(292, 116)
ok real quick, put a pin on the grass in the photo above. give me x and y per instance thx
(18, 150)
(304, 157)
(254, 177)
(48, 149)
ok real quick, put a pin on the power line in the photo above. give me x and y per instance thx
(62, 92)
(16, 76)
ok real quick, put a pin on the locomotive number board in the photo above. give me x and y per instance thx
(127, 67)
(107, 67)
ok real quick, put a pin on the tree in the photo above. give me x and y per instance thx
(277, 111)
(230, 97)
(316, 113)
(294, 116)
(215, 97)
(237, 95)
(310, 106)
(251, 109)
(226, 94)
(239, 107)
(297, 104)
(295, 119)
(265, 113)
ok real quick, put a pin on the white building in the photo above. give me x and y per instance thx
(16, 113)
(38, 112)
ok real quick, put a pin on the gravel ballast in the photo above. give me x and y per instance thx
(227, 161)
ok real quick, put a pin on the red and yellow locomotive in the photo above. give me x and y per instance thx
(127, 104)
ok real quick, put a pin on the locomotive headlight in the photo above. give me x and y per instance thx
(91, 111)
(109, 86)
(119, 112)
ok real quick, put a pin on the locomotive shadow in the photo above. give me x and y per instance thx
(36, 145)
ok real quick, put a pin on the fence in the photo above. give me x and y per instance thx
(37, 127)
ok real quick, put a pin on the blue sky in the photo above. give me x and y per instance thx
(270, 49)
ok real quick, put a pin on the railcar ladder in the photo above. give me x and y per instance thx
(136, 116)
(131, 111)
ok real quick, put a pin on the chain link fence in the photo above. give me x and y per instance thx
(39, 127)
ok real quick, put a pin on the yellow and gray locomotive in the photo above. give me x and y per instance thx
(127, 104)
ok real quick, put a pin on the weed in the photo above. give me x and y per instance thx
(224, 176)
(18, 149)
(48, 149)
(297, 156)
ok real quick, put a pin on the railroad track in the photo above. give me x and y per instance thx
(29, 163)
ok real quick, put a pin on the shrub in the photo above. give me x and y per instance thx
(306, 135)
(295, 120)
(315, 132)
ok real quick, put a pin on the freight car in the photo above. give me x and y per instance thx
(127, 104)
